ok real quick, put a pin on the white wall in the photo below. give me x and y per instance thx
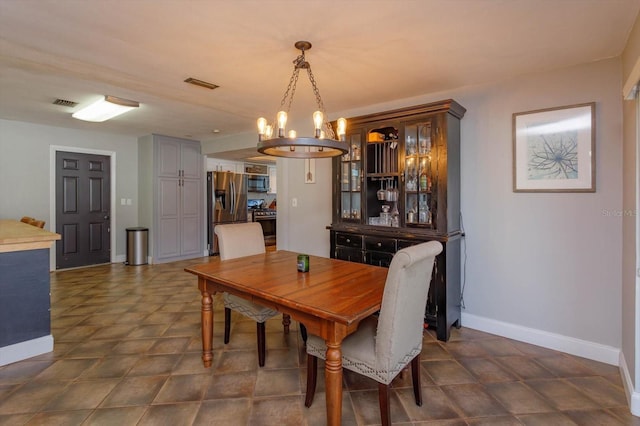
(25, 171)
(549, 262)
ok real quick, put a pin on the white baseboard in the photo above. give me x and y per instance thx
(558, 342)
(633, 397)
(23, 350)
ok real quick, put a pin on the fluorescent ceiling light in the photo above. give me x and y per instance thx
(105, 109)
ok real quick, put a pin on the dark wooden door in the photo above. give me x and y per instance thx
(83, 209)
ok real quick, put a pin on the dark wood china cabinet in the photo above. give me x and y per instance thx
(399, 185)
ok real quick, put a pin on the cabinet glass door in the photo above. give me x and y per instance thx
(350, 179)
(419, 175)
(383, 176)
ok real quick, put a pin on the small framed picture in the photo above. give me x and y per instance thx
(309, 170)
(554, 149)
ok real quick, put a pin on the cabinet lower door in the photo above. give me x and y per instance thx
(168, 235)
(179, 219)
(350, 254)
(191, 235)
(378, 258)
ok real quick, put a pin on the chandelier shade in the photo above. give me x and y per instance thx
(323, 144)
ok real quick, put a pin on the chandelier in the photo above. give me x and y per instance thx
(324, 142)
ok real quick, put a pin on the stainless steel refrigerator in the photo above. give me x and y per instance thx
(226, 203)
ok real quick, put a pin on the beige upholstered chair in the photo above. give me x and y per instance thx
(239, 240)
(383, 346)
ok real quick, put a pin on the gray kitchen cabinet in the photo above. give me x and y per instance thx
(172, 172)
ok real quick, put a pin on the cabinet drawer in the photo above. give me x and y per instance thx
(349, 240)
(387, 245)
(378, 258)
(350, 254)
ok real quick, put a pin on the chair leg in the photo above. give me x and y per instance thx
(261, 343)
(415, 375)
(286, 321)
(312, 375)
(227, 324)
(303, 331)
(385, 404)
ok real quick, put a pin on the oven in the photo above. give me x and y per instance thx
(267, 219)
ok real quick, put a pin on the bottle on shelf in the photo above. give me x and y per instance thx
(424, 180)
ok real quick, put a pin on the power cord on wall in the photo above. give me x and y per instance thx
(464, 262)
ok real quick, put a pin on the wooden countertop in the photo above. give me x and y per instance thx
(18, 236)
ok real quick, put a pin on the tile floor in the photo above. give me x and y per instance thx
(127, 352)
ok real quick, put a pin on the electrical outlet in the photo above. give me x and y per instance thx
(123, 201)
(294, 202)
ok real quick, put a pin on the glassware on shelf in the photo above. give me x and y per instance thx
(411, 216)
(355, 152)
(424, 140)
(411, 175)
(411, 183)
(424, 215)
(411, 145)
(385, 219)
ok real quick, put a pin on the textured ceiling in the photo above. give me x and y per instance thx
(364, 53)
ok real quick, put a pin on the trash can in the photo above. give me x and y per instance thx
(137, 246)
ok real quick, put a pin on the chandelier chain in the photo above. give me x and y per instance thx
(292, 85)
(328, 129)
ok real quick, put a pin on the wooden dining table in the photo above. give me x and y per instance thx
(330, 300)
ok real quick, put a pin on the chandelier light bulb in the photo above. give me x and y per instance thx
(282, 123)
(268, 131)
(318, 119)
(262, 126)
(292, 134)
(342, 128)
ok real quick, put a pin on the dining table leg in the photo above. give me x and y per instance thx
(333, 383)
(207, 328)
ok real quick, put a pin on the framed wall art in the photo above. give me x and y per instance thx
(309, 170)
(554, 149)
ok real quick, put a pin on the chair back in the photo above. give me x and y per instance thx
(240, 239)
(401, 320)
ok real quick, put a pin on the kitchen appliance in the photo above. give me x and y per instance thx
(226, 203)
(257, 183)
(267, 219)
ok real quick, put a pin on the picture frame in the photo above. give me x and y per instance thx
(554, 149)
(309, 170)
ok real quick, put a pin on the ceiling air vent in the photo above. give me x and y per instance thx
(63, 102)
(201, 83)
